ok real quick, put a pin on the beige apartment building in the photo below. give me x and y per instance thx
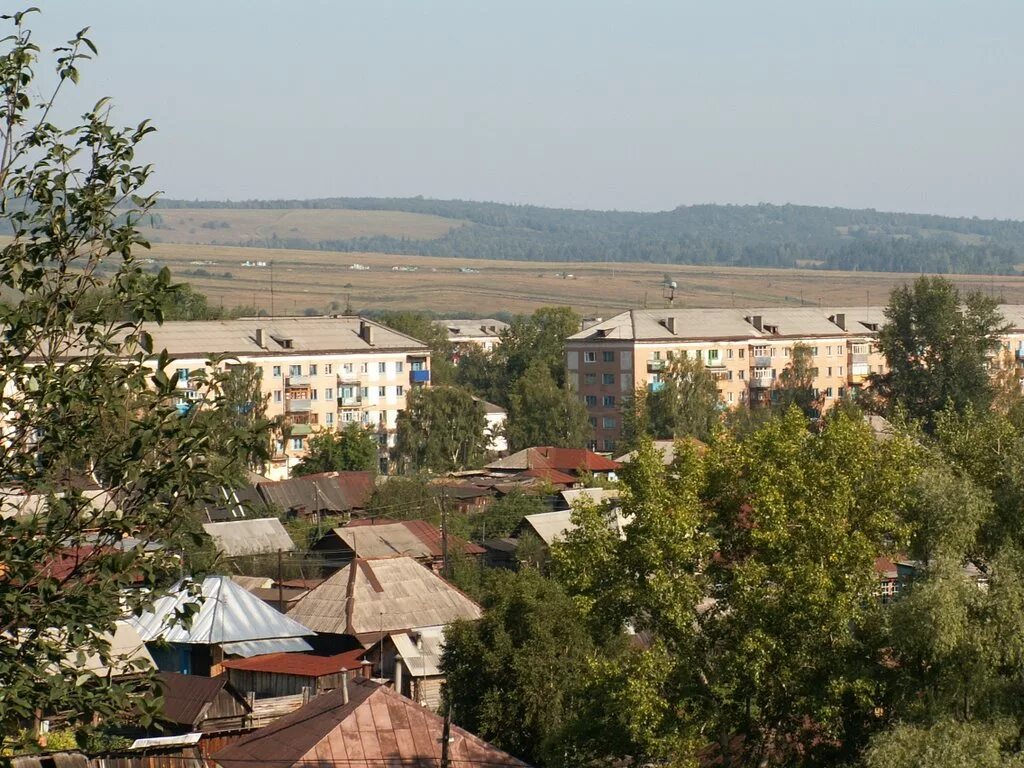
(320, 372)
(466, 334)
(745, 350)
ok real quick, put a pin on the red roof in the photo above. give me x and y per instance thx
(369, 725)
(302, 664)
(551, 475)
(570, 460)
(425, 532)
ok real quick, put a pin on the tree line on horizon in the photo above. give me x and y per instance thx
(728, 235)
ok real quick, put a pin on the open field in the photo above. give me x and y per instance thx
(230, 226)
(315, 279)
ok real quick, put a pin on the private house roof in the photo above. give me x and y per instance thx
(281, 336)
(259, 536)
(228, 615)
(552, 526)
(415, 538)
(127, 652)
(299, 664)
(592, 495)
(375, 727)
(324, 491)
(187, 697)
(667, 449)
(421, 651)
(568, 460)
(369, 598)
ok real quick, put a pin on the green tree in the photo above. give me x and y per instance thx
(352, 448)
(946, 744)
(513, 675)
(685, 405)
(441, 429)
(540, 412)
(480, 372)
(539, 338)
(85, 397)
(795, 385)
(936, 345)
(410, 497)
(422, 327)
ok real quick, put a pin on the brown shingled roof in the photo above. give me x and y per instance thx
(376, 727)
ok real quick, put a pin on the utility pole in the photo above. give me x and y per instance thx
(280, 586)
(446, 733)
(444, 532)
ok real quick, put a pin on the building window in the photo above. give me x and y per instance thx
(400, 390)
(329, 419)
(828, 392)
(364, 368)
(730, 354)
(589, 357)
(814, 350)
(329, 393)
(742, 353)
(183, 374)
(713, 355)
(277, 395)
(609, 445)
(328, 369)
(382, 367)
(277, 371)
(382, 391)
(608, 378)
(608, 422)
(296, 443)
(591, 400)
(592, 445)
(609, 401)
(590, 378)
(741, 372)
(294, 370)
(314, 394)
(829, 369)
(608, 356)
(347, 367)
(593, 421)
(312, 369)
(365, 392)
(399, 367)
(657, 355)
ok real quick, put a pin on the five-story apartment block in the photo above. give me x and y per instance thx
(745, 351)
(316, 372)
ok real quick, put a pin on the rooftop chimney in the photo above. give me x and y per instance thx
(261, 338)
(366, 332)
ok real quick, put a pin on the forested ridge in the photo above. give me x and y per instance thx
(735, 235)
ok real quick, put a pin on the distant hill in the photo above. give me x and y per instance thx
(734, 235)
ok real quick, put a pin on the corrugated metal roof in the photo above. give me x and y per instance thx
(422, 653)
(183, 740)
(247, 648)
(368, 598)
(415, 538)
(376, 727)
(303, 664)
(591, 495)
(228, 614)
(325, 491)
(260, 536)
(552, 526)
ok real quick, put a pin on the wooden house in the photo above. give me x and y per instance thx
(193, 703)
(290, 674)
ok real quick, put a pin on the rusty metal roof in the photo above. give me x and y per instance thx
(376, 727)
(569, 460)
(302, 664)
(186, 697)
(376, 537)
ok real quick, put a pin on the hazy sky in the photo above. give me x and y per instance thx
(914, 105)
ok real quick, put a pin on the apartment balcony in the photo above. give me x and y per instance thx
(761, 382)
(715, 365)
(419, 377)
(348, 380)
(298, 405)
(761, 361)
(653, 366)
(720, 374)
(296, 381)
(349, 402)
(858, 359)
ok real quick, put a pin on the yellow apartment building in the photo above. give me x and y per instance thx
(319, 372)
(744, 349)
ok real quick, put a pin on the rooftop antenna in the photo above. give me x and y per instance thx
(669, 291)
(272, 289)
